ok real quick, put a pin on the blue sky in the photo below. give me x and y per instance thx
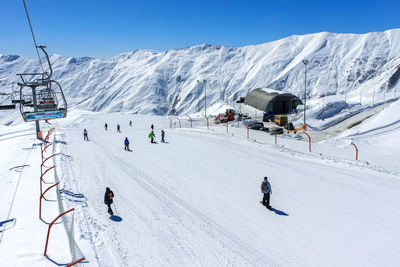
(106, 28)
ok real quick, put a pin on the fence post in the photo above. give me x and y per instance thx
(190, 121)
(75, 262)
(41, 165)
(40, 200)
(170, 123)
(50, 225)
(41, 178)
(309, 141)
(356, 149)
(207, 120)
(180, 125)
(227, 126)
(247, 127)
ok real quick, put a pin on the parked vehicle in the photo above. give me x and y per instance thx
(278, 130)
(249, 123)
(280, 120)
(257, 126)
(269, 116)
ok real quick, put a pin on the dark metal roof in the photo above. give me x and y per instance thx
(264, 98)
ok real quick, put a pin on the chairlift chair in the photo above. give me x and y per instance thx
(41, 98)
(6, 101)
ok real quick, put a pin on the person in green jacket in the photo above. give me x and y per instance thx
(151, 136)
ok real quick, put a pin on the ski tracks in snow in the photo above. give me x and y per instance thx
(183, 212)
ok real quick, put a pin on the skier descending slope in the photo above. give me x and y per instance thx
(118, 128)
(151, 136)
(85, 135)
(162, 136)
(108, 200)
(126, 143)
(266, 190)
(105, 126)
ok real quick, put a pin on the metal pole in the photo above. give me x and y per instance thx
(305, 62)
(35, 109)
(205, 98)
(305, 92)
(198, 97)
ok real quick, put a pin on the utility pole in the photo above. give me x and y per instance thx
(205, 98)
(305, 62)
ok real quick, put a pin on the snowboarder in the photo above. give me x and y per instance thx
(85, 135)
(108, 200)
(130, 123)
(267, 191)
(162, 136)
(126, 142)
(151, 136)
(152, 127)
(118, 128)
(105, 126)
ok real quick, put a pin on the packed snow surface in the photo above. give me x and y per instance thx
(194, 200)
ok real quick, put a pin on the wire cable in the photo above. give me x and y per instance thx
(33, 35)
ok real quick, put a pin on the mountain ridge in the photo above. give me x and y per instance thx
(151, 82)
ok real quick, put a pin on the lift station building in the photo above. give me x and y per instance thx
(270, 100)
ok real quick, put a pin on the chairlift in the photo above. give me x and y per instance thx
(40, 97)
(6, 101)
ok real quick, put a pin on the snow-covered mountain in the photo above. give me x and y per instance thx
(166, 82)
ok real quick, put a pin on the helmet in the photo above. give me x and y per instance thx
(265, 178)
(107, 189)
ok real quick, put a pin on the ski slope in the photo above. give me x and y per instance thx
(194, 201)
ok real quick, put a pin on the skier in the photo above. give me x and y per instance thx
(151, 136)
(85, 135)
(130, 123)
(105, 126)
(152, 127)
(108, 200)
(126, 142)
(266, 190)
(118, 128)
(162, 136)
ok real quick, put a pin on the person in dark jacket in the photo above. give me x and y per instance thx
(118, 128)
(105, 126)
(162, 136)
(267, 191)
(126, 142)
(85, 135)
(130, 123)
(108, 199)
(151, 136)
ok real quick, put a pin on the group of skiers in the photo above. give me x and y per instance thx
(126, 141)
(266, 189)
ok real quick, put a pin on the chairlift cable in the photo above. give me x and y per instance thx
(33, 35)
